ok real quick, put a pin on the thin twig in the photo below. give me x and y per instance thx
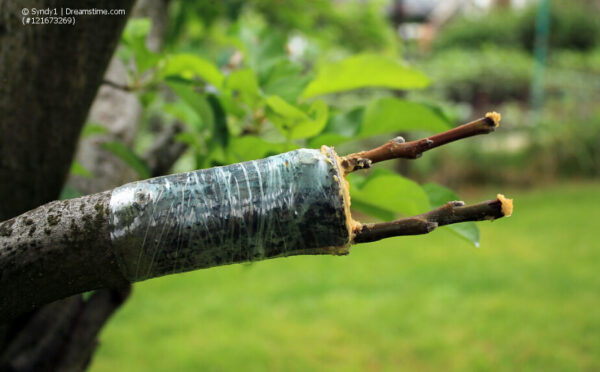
(123, 87)
(398, 148)
(449, 213)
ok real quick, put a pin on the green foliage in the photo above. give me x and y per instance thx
(128, 157)
(380, 116)
(134, 40)
(190, 67)
(251, 148)
(362, 71)
(80, 170)
(386, 194)
(497, 28)
(468, 75)
(388, 115)
(571, 27)
(293, 122)
(353, 25)
(91, 129)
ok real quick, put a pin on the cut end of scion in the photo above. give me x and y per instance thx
(507, 205)
(495, 117)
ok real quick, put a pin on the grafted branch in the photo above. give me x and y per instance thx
(449, 213)
(398, 148)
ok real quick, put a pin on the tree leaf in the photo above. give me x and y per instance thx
(128, 157)
(80, 170)
(91, 129)
(134, 37)
(196, 101)
(245, 83)
(251, 148)
(328, 139)
(390, 192)
(181, 111)
(438, 196)
(285, 80)
(382, 116)
(389, 115)
(190, 139)
(220, 133)
(294, 122)
(361, 71)
(190, 66)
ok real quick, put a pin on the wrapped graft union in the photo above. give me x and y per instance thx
(288, 204)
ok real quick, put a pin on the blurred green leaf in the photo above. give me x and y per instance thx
(128, 157)
(373, 210)
(190, 67)
(251, 148)
(183, 112)
(264, 49)
(328, 139)
(134, 37)
(91, 128)
(190, 139)
(361, 71)
(196, 101)
(389, 115)
(294, 122)
(390, 192)
(244, 83)
(220, 133)
(80, 170)
(285, 79)
(438, 196)
(382, 116)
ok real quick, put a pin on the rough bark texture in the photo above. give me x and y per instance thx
(56, 250)
(50, 75)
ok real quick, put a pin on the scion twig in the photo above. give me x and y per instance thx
(398, 148)
(449, 213)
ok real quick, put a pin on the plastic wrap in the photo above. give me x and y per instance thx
(282, 205)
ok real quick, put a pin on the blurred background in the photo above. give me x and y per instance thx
(215, 82)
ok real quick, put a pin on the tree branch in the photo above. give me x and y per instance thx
(449, 213)
(56, 250)
(123, 87)
(289, 204)
(398, 148)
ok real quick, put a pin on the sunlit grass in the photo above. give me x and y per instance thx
(529, 299)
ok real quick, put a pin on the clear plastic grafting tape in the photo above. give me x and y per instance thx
(278, 206)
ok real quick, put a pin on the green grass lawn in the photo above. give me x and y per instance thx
(528, 299)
